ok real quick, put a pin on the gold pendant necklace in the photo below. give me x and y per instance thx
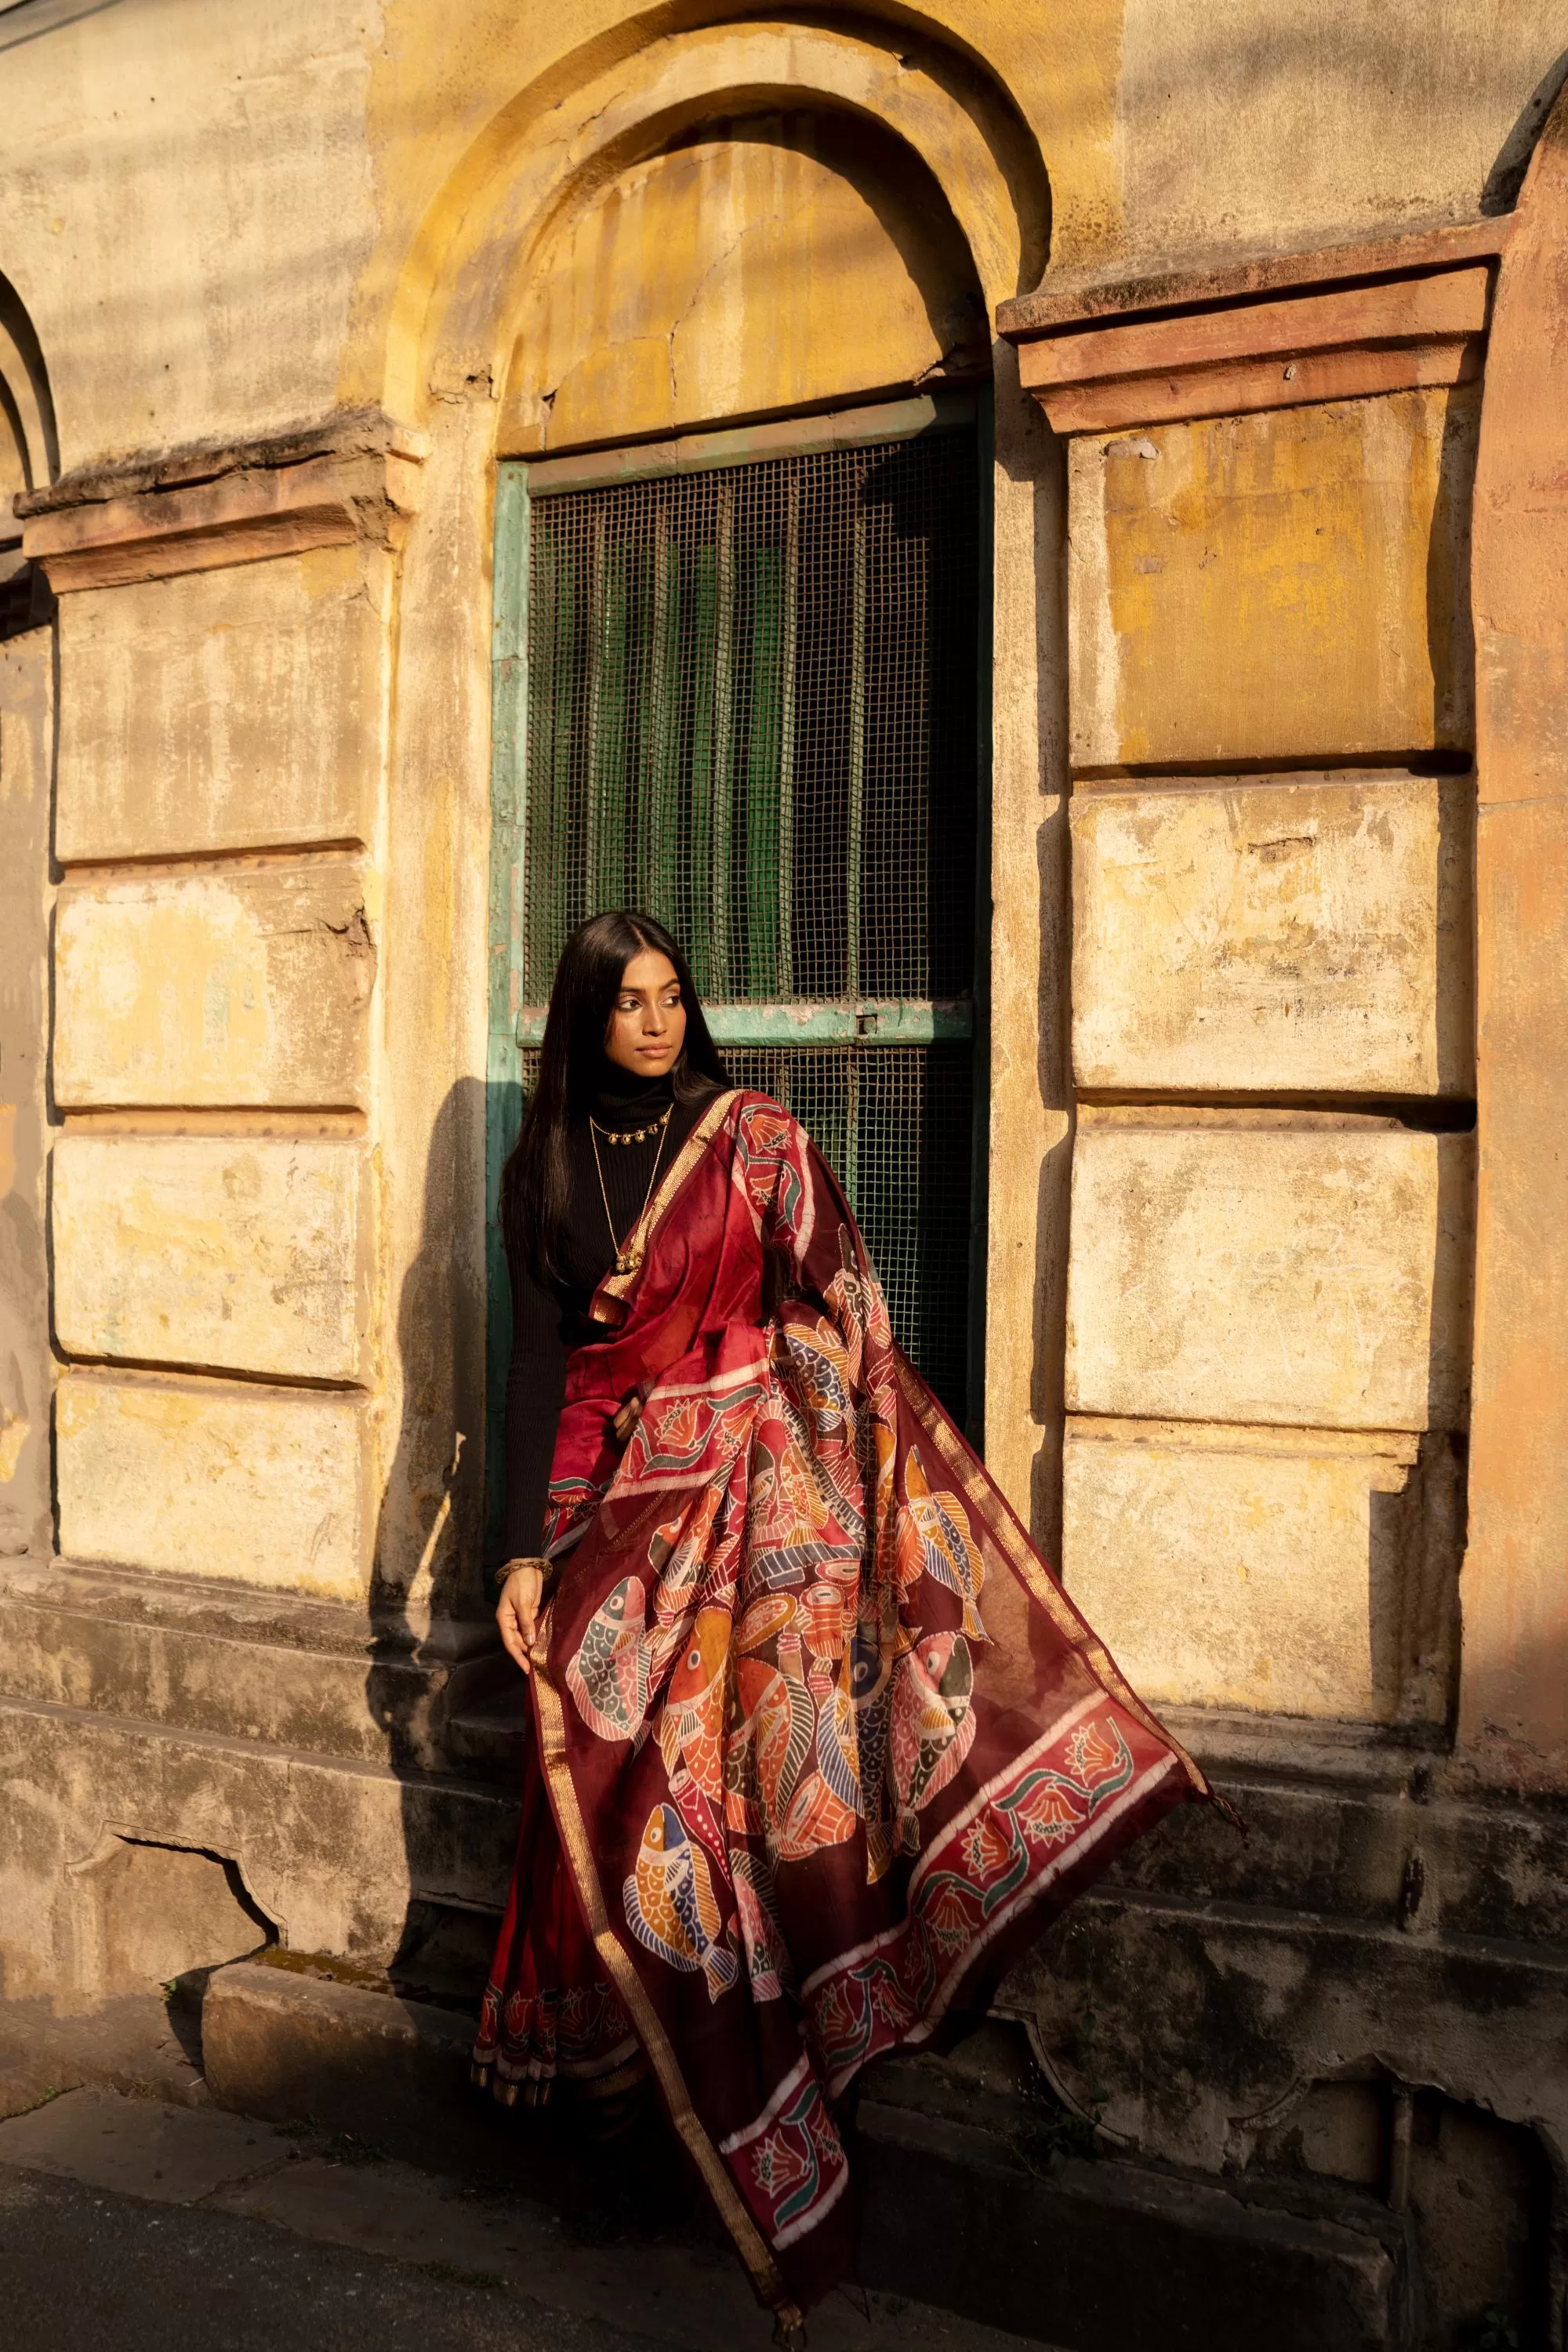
(627, 1260)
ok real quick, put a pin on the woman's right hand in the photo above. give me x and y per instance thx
(516, 1613)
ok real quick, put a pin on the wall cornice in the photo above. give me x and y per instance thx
(1274, 332)
(354, 477)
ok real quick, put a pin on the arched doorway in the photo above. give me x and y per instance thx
(742, 629)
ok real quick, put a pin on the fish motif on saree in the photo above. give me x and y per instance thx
(822, 1737)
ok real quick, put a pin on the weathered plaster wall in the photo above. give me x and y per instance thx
(220, 800)
(1282, 932)
(332, 148)
(187, 199)
(772, 262)
(379, 186)
(1352, 118)
(1514, 1703)
(27, 1366)
(26, 892)
(1289, 585)
(269, 988)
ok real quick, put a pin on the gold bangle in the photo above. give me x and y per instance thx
(549, 1573)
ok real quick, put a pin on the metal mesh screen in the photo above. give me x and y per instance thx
(752, 710)
(895, 1127)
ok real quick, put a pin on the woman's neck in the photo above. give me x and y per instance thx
(620, 1089)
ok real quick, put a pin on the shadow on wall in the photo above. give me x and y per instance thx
(1505, 177)
(448, 1699)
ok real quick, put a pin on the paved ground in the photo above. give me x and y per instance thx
(81, 2266)
(128, 2225)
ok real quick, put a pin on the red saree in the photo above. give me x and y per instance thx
(822, 1737)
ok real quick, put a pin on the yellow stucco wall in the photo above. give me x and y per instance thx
(210, 218)
(524, 229)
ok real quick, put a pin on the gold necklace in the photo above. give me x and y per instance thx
(627, 1260)
(629, 1134)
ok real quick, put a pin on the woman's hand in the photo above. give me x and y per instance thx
(516, 1613)
(625, 1420)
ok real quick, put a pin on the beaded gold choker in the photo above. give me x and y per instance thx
(632, 1134)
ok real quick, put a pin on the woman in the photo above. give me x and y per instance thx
(820, 1740)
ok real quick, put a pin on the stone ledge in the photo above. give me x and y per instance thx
(1279, 332)
(1098, 2257)
(352, 432)
(394, 2072)
(1346, 344)
(238, 1613)
(353, 478)
(1216, 278)
(284, 2047)
(309, 1677)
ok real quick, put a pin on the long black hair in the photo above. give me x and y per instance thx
(535, 1183)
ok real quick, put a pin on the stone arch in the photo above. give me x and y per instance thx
(1514, 1673)
(483, 236)
(29, 452)
(754, 265)
(25, 404)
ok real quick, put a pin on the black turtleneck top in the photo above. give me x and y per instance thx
(546, 1322)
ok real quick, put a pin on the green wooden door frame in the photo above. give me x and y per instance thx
(514, 1027)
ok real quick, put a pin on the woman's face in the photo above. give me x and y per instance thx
(647, 1026)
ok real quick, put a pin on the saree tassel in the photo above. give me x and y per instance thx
(506, 2093)
(1228, 1812)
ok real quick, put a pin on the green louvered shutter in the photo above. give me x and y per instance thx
(745, 697)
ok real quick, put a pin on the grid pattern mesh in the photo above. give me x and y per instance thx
(896, 1124)
(751, 711)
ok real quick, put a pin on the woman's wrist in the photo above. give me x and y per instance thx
(548, 1570)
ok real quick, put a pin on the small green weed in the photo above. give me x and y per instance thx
(1490, 2333)
(344, 2148)
(451, 2275)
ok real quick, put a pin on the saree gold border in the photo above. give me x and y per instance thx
(618, 1285)
(748, 2241)
(1021, 1552)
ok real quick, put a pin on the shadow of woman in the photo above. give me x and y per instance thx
(439, 1686)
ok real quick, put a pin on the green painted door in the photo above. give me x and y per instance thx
(740, 687)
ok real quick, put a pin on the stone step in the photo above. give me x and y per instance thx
(1359, 1823)
(1092, 2256)
(1116, 2256)
(212, 1657)
(493, 1738)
